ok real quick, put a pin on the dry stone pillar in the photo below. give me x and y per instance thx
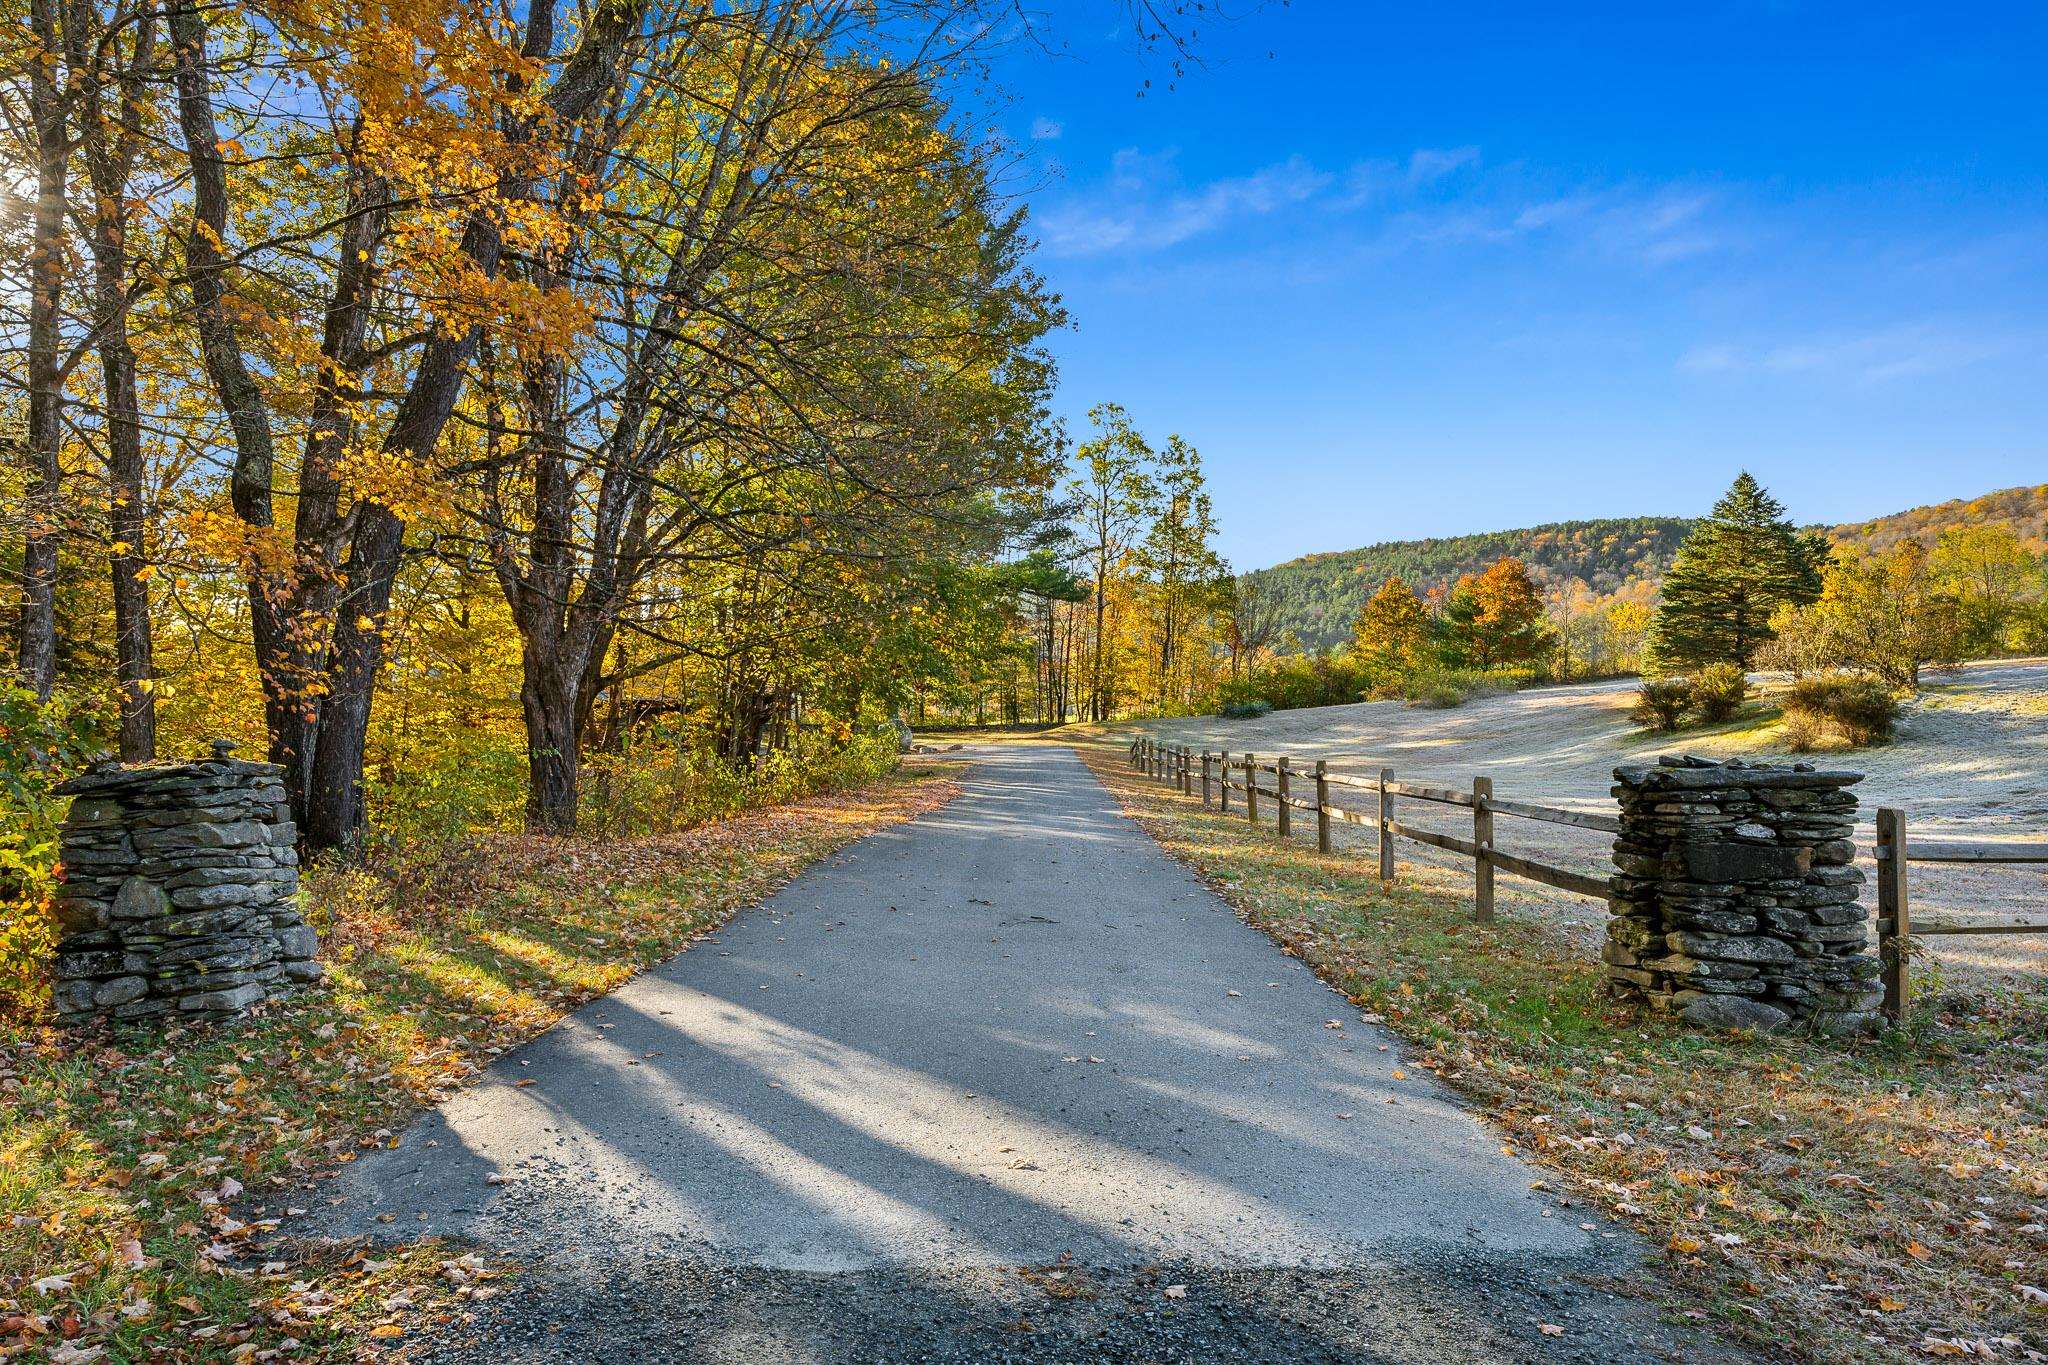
(180, 894)
(1736, 904)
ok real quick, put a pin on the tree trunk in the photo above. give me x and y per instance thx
(548, 699)
(134, 664)
(334, 790)
(44, 522)
(109, 139)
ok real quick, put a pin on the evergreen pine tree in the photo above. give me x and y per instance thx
(1737, 567)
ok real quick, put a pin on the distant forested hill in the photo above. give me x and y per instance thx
(2024, 509)
(1318, 596)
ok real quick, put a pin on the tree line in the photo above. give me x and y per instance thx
(413, 389)
(1749, 590)
(1746, 588)
(1121, 604)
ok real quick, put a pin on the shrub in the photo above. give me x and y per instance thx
(1860, 708)
(1718, 692)
(468, 778)
(1661, 703)
(1438, 690)
(1447, 687)
(1246, 710)
(41, 743)
(659, 784)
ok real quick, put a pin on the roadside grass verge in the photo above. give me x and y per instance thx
(1873, 1201)
(134, 1165)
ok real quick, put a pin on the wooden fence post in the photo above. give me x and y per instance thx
(1223, 792)
(1283, 808)
(1894, 913)
(1482, 853)
(1186, 771)
(1205, 779)
(1386, 836)
(1322, 806)
(1251, 787)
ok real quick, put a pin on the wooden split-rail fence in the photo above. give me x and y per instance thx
(1896, 927)
(1306, 787)
(1216, 775)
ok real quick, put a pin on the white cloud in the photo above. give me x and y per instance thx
(1649, 227)
(1385, 177)
(1428, 164)
(1433, 196)
(1875, 356)
(1044, 129)
(1143, 210)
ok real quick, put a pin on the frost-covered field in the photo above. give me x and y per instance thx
(1970, 761)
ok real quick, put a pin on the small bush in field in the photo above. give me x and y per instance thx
(1447, 687)
(1719, 691)
(1433, 689)
(1246, 710)
(1661, 703)
(1802, 735)
(1860, 708)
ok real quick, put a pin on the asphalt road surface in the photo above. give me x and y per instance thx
(1002, 1084)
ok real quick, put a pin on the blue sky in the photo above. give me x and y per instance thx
(1434, 268)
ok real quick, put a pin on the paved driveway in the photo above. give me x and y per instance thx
(1012, 1034)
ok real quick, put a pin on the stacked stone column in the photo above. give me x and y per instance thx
(1737, 902)
(180, 893)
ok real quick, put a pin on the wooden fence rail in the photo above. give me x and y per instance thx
(1216, 775)
(1896, 927)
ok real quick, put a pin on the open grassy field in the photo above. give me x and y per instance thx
(1970, 762)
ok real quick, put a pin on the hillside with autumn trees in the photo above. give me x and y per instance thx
(1318, 597)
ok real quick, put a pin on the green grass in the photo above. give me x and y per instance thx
(138, 1167)
(1815, 1201)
